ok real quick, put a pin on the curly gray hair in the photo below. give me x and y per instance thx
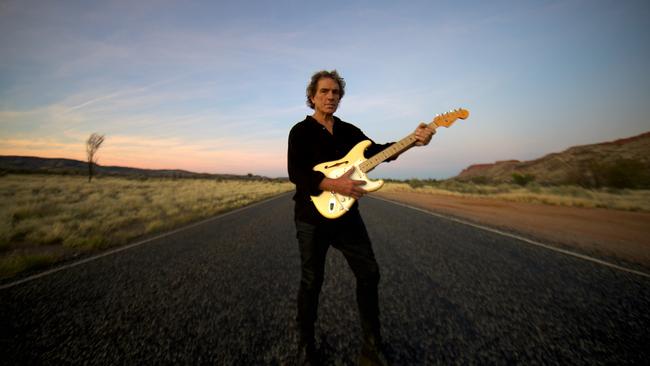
(313, 84)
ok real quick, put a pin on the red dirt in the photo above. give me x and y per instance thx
(622, 235)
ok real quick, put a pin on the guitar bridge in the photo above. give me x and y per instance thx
(331, 204)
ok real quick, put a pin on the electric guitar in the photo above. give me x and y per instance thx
(333, 205)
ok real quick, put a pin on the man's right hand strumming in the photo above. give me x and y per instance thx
(344, 185)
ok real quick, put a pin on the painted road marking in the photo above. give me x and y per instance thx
(137, 244)
(521, 238)
(145, 241)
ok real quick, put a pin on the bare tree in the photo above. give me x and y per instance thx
(92, 145)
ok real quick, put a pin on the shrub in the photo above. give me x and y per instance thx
(622, 173)
(481, 179)
(522, 179)
(415, 183)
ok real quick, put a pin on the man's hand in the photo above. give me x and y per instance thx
(344, 185)
(423, 134)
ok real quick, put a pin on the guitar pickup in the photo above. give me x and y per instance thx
(332, 204)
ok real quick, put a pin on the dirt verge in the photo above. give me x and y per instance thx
(623, 236)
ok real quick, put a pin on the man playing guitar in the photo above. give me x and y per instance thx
(319, 138)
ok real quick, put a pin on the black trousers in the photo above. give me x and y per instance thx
(348, 235)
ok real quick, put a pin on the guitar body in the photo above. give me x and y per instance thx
(333, 205)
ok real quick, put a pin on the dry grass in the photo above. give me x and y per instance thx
(44, 218)
(622, 199)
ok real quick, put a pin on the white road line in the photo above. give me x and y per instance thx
(129, 246)
(521, 238)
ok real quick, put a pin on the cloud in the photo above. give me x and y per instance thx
(128, 94)
(213, 155)
(207, 155)
(41, 121)
(42, 147)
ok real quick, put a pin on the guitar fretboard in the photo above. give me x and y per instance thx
(407, 142)
(394, 149)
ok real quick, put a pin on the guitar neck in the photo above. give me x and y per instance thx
(393, 150)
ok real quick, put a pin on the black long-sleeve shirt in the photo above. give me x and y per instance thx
(311, 144)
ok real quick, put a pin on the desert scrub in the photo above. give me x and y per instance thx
(620, 199)
(43, 211)
(17, 262)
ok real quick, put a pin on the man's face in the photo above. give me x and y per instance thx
(328, 94)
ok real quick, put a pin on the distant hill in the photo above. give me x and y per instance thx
(36, 165)
(621, 163)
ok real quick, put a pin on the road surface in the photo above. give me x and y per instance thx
(223, 292)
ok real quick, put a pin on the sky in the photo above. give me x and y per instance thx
(215, 86)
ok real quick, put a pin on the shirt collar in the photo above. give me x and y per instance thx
(317, 124)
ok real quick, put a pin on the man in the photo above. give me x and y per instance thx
(319, 138)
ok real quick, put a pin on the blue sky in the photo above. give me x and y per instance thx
(215, 86)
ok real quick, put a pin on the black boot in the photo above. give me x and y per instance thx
(372, 353)
(307, 354)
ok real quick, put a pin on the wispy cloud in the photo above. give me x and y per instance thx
(126, 93)
(216, 86)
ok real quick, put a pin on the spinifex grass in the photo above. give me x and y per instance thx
(46, 217)
(620, 199)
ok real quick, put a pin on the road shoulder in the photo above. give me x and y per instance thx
(611, 234)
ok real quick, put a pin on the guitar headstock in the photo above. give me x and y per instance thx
(447, 119)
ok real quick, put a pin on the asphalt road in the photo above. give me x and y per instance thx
(223, 293)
